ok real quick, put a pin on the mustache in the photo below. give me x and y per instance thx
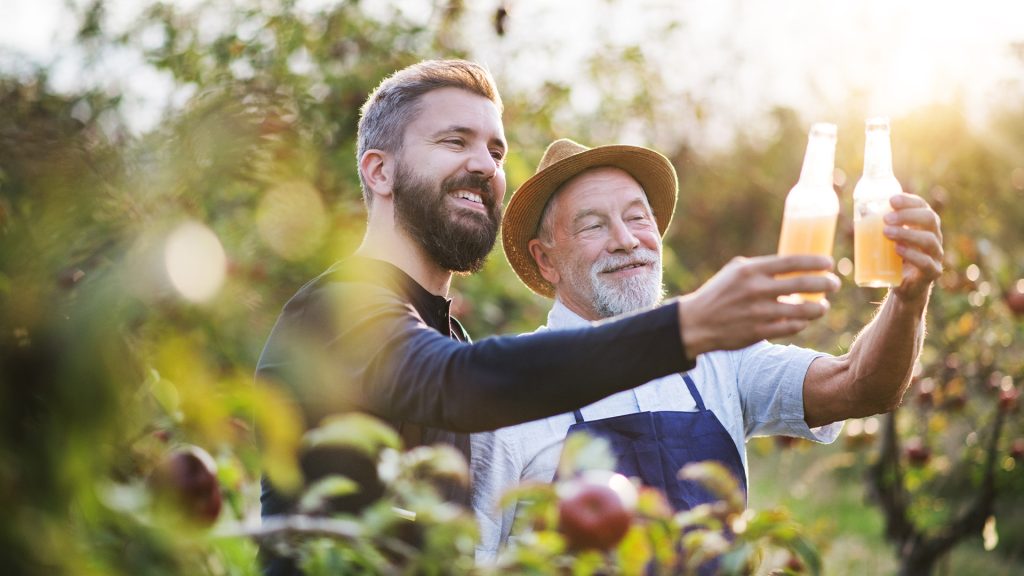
(643, 256)
(470, 182)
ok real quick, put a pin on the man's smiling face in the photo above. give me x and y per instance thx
(604, 249)
(449, 181)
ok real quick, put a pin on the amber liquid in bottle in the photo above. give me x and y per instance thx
(876, 263)
(809, 220)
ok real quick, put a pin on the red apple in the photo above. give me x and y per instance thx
(925, 398)
(1009, 400)
(925, 392)
(1015, 299)
(186, 479)
(592, 514)
(994, 382)
(917, 452)
(1017, 449)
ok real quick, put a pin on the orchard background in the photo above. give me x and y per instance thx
(115, 351)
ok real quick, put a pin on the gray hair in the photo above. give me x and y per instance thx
(395, 102)
(544, 224)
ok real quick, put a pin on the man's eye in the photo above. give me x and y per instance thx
(453, 141)
(497, 155)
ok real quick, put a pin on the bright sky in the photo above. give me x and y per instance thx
(738, 57)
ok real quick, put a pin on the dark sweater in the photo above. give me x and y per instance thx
(365, 336)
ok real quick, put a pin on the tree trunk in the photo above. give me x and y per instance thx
(918, 561)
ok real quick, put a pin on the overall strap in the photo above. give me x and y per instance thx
(693, 392)
(578, 415)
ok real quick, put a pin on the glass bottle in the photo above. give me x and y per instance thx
(812, 208)
(876, 263)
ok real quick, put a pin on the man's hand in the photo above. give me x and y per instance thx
(916, 229)
(740, 304)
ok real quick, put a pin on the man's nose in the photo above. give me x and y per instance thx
(622, 238)
(481, 162)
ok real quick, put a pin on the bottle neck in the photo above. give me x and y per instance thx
(877, 154)
(819, 161)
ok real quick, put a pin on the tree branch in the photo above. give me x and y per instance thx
(971, 520)
(280, 527)
(887, 482)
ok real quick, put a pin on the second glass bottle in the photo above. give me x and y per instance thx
(876, 263)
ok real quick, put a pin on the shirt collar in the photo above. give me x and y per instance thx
(561, 318)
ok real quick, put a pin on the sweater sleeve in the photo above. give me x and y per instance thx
(376, 354)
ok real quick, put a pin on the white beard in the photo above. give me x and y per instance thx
(612, 298)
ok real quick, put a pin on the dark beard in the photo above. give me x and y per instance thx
(456, 240)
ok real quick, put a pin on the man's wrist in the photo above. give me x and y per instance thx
(906, 304)
(688, 334)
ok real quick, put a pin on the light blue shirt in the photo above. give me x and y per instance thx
(756, 391)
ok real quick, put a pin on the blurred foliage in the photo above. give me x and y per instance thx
(106, 367)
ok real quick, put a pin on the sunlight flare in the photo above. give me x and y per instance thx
(195, 261)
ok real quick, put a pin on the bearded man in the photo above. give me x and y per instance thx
(586, 230)
(373, 333)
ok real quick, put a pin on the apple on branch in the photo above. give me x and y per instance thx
(186, 481)
(595, 510)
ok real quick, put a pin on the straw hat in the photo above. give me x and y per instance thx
(563, 160)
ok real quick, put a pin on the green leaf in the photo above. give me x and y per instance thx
(808, 553)
(166, 395)
(441, 460)
(635, 551)
(717, 479)
(354, 430)
(330, 487)
(529, 491)
(737, 561)
(584, 452)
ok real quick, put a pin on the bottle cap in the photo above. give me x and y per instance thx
(825, 129)
(877, 123)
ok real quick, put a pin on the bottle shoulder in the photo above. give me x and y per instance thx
(810, 200)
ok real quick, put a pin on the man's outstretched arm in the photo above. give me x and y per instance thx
(873, 376)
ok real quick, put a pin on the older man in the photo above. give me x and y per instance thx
(586, 230)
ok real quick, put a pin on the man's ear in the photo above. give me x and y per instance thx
(542, 256)
(378, 170)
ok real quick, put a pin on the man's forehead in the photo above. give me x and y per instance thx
(461, 109)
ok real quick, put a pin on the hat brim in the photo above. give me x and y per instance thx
(651, 170)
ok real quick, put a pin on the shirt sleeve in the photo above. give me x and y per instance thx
(771, 384)
(358, 346)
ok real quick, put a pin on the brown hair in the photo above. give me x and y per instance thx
(395, 102)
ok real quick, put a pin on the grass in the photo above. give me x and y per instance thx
(824, 489)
